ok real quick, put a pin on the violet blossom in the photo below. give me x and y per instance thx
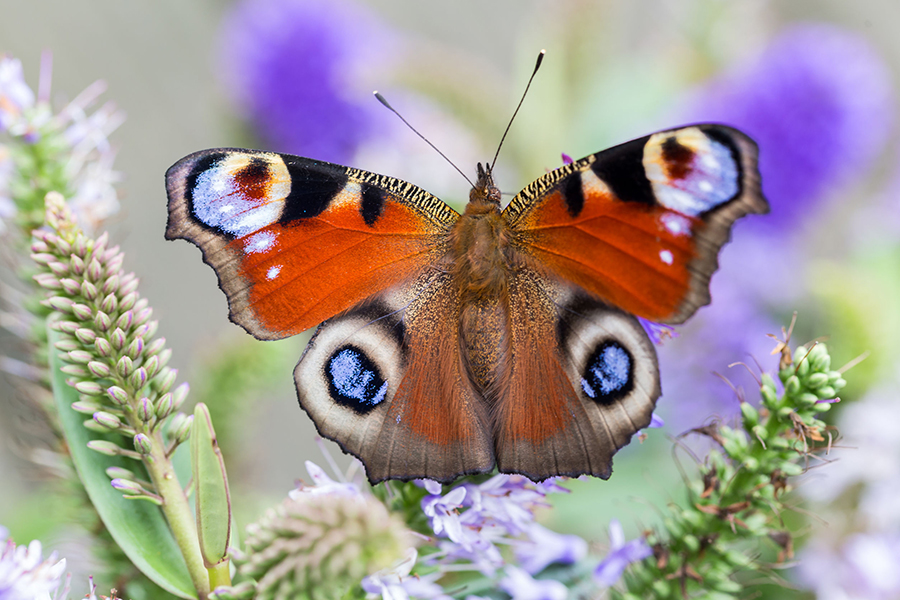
(292, 66)
(621, 554)
(24, 572)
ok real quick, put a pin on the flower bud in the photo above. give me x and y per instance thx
(152, 366)
(135, 348)
(117, 339)
(117, 395)
(139, 378)
(79, 356)
(143, 444)
(100, 244)
(142, 316)
(42, 258)
(92, 425)
(58, 268)
(79, 248)
(109, 304)
(85, 407)
(180, 395)
(66, 345)
(111, 285)
(126, 485)
(76, 370)
(89, 290)
(89, 388)
(120, 473)
(82, 311)
(66, 326)
(127, 302)
(104, 447)
(103, 347)
(125, 366)
(108, 420)
(48, 281)
(125, 320)
(145, 410)
(99, 369)
(60, 303)
(85, 336)
(155, 346)
(102, 321)
(164, 406)
(71, 287)
(94, 270)
(77, 265)
(164, 356)
(166, 379)
(129, 284)
(181, 433)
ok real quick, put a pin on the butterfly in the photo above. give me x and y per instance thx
(452, 344)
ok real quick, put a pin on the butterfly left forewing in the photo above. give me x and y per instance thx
(294, 241)
(583, 379)
(640, 225)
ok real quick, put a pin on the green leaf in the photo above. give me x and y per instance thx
(213, 500)
(139, 528)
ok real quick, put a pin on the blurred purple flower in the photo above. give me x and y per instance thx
(522, 586)
(818, 101)
(323, 484)
(864, 568)
(15, 95)
(443, 514)
(621, 554)
(25, 574)
(543, 547)
(290, 65)
(396, 583)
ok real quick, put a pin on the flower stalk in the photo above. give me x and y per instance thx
(118, 367)
(739, 494)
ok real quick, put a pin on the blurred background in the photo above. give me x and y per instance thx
(814, 82)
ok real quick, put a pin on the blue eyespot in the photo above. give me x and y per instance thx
(354, 380)
(608, 375)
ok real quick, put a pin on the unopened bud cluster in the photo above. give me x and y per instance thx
(738, 497)
(108, 340)
(317, 546)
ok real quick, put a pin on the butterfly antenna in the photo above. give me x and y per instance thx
(391, 108)
(537, 65)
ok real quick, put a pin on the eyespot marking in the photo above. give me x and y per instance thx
(690, 171)
(354, 381)
(239, 193)
(608, 375)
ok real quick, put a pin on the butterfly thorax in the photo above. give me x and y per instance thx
(482, 258)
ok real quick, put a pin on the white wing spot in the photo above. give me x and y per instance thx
(675, 223)
(260, 242)
(666, 256)
(273, 272)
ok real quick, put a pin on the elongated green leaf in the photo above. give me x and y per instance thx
(138, 527)
(213, 500)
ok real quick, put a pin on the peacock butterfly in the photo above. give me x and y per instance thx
(453, 343)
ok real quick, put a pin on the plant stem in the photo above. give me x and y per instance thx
(178, 513)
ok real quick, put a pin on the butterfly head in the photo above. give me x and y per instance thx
(485, 193)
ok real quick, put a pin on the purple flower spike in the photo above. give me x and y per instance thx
(621, 554)
(819, 103)
(545, 547)
(522, 586)
(443, 513)
(325, 484)
(290, 64)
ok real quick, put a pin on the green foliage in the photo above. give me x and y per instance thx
(737, 501)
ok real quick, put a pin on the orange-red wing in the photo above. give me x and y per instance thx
(583, 378)
(295, 241)
(640, 225)
(386, 381)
